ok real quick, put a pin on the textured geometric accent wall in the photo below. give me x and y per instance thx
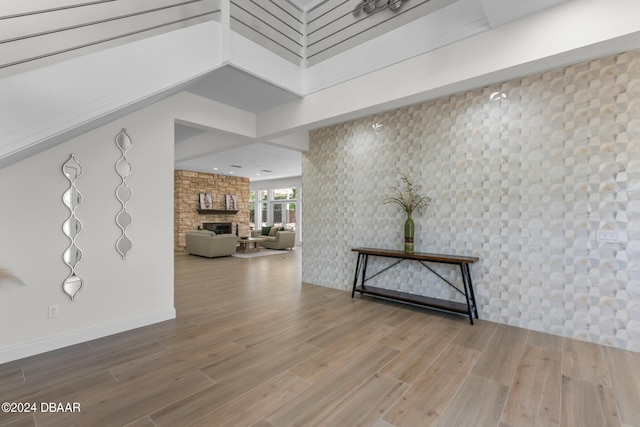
(523, 183)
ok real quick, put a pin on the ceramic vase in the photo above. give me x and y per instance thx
(409, 230)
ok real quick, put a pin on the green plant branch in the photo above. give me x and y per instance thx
(409, 200)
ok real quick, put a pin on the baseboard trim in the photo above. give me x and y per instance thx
(32, 348)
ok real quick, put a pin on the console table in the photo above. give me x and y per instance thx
(469, 308)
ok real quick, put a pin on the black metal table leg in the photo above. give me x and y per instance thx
(355, 279)
(364, 269)
(466, 292)
(471, 292)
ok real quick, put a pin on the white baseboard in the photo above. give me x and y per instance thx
(9, 354)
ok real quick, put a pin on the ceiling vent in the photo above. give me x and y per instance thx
(266, 170)
(235, 166)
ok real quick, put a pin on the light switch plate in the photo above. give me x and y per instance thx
(608, 236)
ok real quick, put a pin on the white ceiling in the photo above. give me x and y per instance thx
(306, 4)
(238, 89)
(257, 161)
(231, 86)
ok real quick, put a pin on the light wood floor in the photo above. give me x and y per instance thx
(252, 346)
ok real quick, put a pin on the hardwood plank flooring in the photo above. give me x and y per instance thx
(584, 361)
(316, 403)
(467, 410)
(624, 372)
(587, 404)
(257, 403)
(253, 346)
(418, 356)
(535, 394)
(500, 359)
(432, 392)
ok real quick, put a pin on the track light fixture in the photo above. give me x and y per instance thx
(369, 6)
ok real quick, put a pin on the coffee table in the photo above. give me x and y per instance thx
(250, 244)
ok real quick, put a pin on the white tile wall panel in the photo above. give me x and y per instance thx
(523, 183)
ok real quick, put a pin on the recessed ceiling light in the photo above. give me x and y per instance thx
(215, 169)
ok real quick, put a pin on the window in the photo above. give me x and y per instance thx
(274, 207)
(252, 210)
(264, 217)
(284, 194)
(283, 207)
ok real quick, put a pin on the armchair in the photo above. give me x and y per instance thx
(209, 244)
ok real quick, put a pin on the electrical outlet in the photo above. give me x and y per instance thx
(53, 311)
(608, 236)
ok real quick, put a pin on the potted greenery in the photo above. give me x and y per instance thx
(410, 201)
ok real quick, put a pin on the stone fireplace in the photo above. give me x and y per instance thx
(218, 227)
(187, 214)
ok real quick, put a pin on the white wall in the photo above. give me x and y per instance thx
(295, 181)
(524, 183)
(117, 294)
(48, 105)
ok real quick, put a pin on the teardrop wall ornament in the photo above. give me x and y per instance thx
(72, 226)
(123, 193)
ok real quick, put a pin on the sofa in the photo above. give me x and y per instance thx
(209, 244)
(276, 237)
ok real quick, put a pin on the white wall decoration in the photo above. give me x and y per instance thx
(72, 226)
(123, 193)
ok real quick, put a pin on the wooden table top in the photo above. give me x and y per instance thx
(251, 239)
(422, 256)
